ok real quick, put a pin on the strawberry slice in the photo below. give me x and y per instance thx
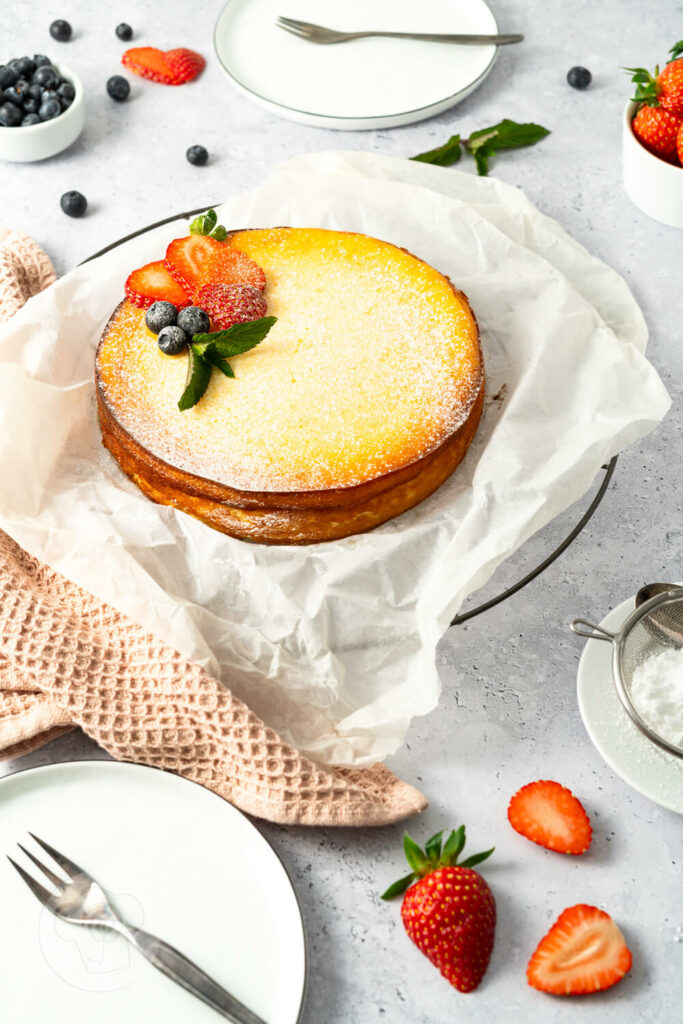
(583, 952)
(184, 64)
(230, 266)
(153, 282)
(173, 67)
(185, 258)
(549, 814)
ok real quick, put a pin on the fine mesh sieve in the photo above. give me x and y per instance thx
(655, 626)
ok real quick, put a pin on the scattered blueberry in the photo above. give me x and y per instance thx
(160, 315)
(49, 109)
(30, 118)
(172, 340)
(197, 155)
(579, 78)
(194, 320)
(31, 106)
(39, 59)
(118, 88)
(8, 77)
(74, 204)
(46, 76)
(124, 31)
(10, 116)
(60, 30)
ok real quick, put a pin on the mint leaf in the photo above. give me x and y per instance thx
(237, 339)
(208, 352)
(218, 362)
(442, 156)
(505, 135)
(198, 377)
(205, 224)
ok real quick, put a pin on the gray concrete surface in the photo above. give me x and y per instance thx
(508, 712)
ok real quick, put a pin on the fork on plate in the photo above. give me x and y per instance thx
(319, 34)
(80, 899)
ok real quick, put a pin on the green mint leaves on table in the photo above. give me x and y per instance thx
(207, 352)
(484, 143)
(205, 224)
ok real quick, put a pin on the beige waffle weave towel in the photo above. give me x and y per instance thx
(68, 660)
(24, 271)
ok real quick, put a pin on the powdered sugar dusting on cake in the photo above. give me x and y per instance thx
(372, 364)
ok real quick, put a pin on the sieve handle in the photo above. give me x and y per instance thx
(582, 627)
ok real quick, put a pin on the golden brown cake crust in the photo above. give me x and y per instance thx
(294, 516)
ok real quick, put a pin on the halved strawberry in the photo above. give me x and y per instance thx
(185, 258)
(173, 67)
(549, 814)
(230, 266)
(153, 282)
(583, 952)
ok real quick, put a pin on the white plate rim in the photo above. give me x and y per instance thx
(95, 762)
(362, 123)
(613, 622)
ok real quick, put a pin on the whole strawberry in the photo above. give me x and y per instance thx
(663, 89)
(657, 130)
(448, 909)
(679, 143)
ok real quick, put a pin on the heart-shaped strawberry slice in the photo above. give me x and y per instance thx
(170, 67)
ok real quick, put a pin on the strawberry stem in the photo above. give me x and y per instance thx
(432, 857)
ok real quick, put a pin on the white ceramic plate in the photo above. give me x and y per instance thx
(369, 83)
(645, 767)
(180, 862)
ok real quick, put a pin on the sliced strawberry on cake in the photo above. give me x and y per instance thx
(186, 258)
(230, 266)
(153, 283)
(230, 304)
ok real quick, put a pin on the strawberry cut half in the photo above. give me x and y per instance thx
(185, 258)
(153, 283)
(549, 814)
(231, 266)
(583, 952)
(172, 67)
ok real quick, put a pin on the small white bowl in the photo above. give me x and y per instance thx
(654, 185)
(39, 141)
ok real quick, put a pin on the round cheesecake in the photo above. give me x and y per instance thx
(359, 403)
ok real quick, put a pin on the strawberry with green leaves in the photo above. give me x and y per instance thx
(448, 909)
(658, 119)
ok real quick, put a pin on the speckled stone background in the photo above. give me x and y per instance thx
(508, 713)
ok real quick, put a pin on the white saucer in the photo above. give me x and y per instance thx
(370, 83)
(178, 861)
(639, 762)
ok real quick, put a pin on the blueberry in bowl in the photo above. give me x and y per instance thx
(42, 108)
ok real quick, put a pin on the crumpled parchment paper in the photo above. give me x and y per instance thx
(333, 644)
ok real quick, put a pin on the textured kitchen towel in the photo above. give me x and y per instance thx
(67, 659)
(25, 270)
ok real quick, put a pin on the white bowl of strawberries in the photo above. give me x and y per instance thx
(653, 141)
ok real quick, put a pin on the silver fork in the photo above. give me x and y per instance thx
(319, 34)
(81, 900)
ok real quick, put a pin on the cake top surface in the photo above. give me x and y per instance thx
(373, 362)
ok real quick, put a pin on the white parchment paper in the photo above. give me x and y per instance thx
(333, 644)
